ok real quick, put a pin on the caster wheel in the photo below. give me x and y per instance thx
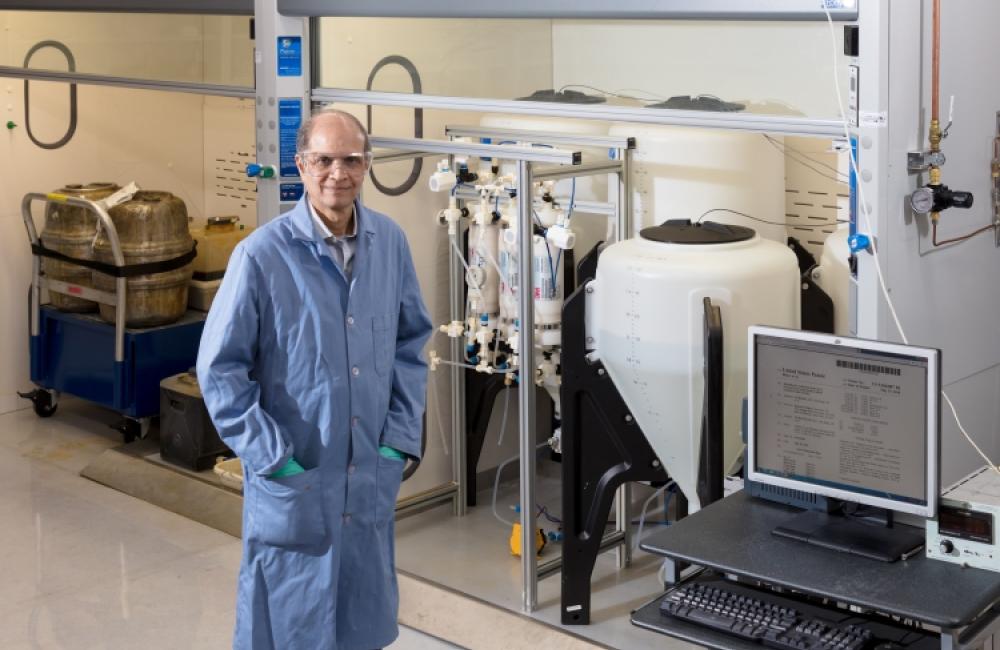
(131, 429)
(43, 401)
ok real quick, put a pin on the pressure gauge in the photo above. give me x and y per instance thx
(922, 201)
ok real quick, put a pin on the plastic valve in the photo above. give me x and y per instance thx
(859, 242)
(254, 170)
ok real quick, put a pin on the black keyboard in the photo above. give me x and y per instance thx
(747, 614)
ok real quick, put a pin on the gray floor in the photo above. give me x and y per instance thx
(87, 567)
(471, 554)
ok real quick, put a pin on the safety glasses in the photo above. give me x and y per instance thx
(317, 163)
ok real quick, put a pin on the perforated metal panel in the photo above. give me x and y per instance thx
(816, 196)
(229, 146)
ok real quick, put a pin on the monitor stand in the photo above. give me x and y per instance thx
(850, 535)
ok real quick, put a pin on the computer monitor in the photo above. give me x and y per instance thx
(844, 418)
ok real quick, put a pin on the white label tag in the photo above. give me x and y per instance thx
(122, 195)
(876, 120)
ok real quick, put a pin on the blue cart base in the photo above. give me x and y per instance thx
(75, 354)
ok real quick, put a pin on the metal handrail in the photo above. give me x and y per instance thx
(105, 222)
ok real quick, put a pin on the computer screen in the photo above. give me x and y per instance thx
(845, 418)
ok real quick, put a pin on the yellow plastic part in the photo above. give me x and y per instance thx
(515, 540)
(216, 242)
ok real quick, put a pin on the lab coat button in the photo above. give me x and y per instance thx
(351, 469)
(347, 519)
(350, 320)
(355, 371)
(355, 421)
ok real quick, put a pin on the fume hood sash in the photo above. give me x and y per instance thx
(85, 78)
(215, 7)
(783, 124)
(845, 10)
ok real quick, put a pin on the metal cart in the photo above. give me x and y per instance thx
(79, 354)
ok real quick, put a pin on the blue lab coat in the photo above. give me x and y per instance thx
(294, 361)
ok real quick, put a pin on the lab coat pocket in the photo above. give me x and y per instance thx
(389, 477)
(289, 511)
(382, 343)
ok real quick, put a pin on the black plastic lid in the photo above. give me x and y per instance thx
(699, 103)
(562, 97)
(682, 231)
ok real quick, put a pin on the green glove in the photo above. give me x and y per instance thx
(291, 468)
(389, 452)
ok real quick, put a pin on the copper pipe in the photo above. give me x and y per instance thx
(953, 240)
(936, 62)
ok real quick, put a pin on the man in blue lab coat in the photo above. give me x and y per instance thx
(311, 368)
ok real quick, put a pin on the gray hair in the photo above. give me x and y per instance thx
(305, 131)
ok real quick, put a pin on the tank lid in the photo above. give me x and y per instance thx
(682, 231)
(699, 103)
(562, 97)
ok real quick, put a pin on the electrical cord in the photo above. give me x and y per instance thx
(503, 420)
(773, 223)
(862, 205)
(572, 201)
(496, 483)
(609, 93)
(806, 161)
(433, 387)
(645, 506)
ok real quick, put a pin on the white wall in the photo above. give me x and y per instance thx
(154, 138)
(946, 297)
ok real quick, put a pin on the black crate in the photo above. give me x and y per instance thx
(187, 436)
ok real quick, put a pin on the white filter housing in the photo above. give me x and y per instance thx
(834, 277)
(648, 319)
(509, 273)
(484, 255)
(681, 173)
(546, 285)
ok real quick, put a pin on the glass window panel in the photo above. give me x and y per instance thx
(191, 145)
(187, 48)
(772, 68)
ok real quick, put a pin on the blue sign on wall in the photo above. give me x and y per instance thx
(289, 56)
(289, 120)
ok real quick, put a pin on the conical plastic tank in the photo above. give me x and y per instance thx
(649, 320)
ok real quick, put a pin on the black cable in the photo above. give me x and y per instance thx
(418, 123)
(71, 67)
(773, 223)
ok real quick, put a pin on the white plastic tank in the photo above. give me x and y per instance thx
(648, 316)
(833, 275)
(682, 172)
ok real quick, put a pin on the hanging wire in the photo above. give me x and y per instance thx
(806, 161)
(773, 223)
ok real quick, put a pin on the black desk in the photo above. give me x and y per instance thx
(734, 536)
